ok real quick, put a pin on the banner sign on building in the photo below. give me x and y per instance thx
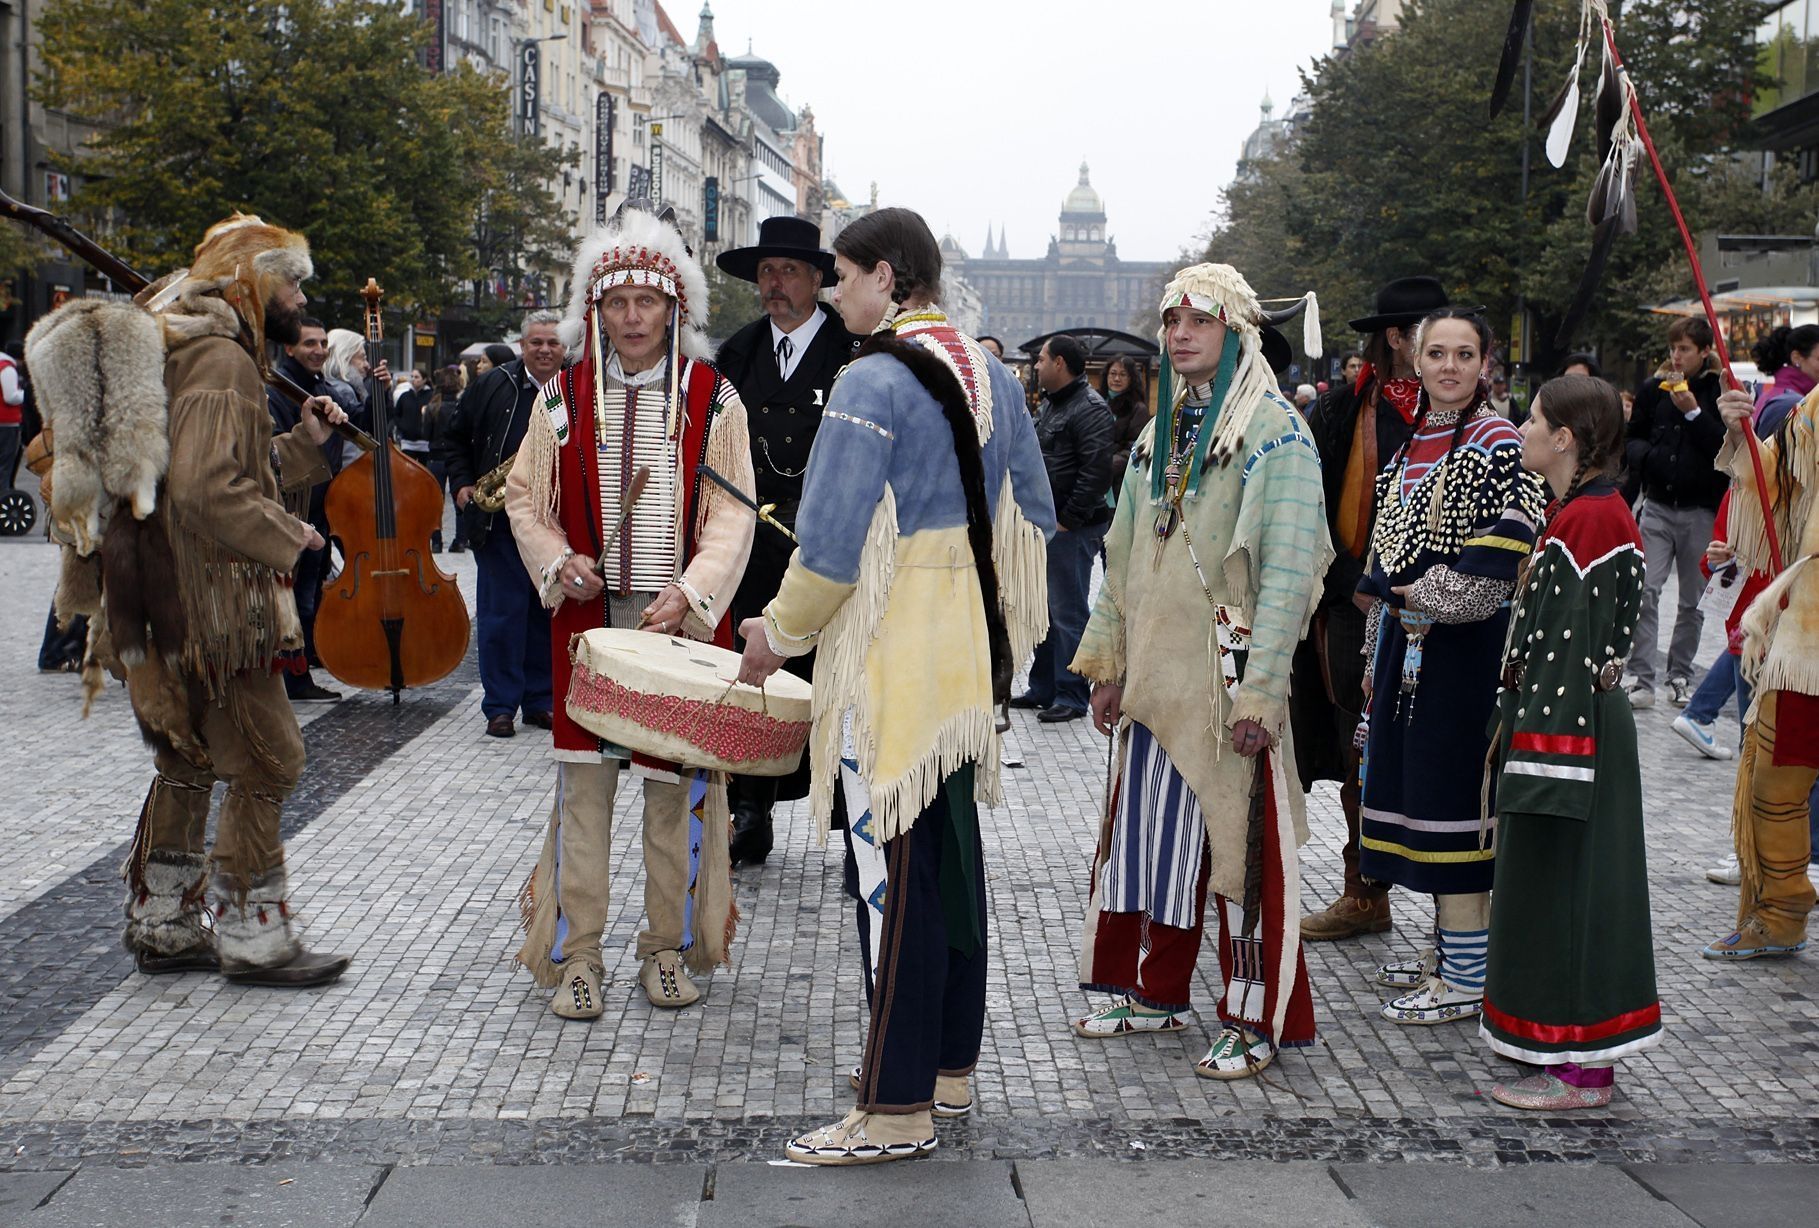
(603, 153)
(638, 183)
(530, 87)
(656, 164)
(433, 12)
(710, 210)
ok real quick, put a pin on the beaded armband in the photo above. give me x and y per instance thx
(782, 642)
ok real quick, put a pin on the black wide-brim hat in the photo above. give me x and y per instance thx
(1406, 301)
(786, 237)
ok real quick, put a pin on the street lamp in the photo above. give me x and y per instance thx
(530, 82)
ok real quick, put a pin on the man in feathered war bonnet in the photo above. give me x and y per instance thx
(196, 562)
(637, 393)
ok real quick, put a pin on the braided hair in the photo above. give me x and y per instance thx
(1482, 327)
(1592, 411)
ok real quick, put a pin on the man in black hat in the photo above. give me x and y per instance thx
(783, 367)
(1358, 427)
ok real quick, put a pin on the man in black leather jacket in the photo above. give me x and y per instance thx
(487, 426)
(1075, 429)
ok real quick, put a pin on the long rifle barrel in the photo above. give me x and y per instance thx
(132, 280)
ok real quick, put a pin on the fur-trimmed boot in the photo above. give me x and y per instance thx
(257, 936)
(165, 926)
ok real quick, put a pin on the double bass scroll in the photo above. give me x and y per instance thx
(392, 618)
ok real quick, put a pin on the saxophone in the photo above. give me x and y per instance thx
(489, 491)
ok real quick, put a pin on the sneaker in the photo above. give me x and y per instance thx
(1641, 696)
(1680, 691)
(1434, 1002)
(866, 1138)
(1347, 917)
(1701, 737)
(1237, 1053)
(1729, 872)
(1546, 1093)
(1125, 1016)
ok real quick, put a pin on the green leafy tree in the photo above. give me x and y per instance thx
(519, 235)
(1398, 170)
(315, 114)
(732, 303)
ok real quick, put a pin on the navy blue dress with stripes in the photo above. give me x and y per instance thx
(1457, 521)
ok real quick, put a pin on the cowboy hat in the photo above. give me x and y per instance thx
(1403, 302)
(785, 237)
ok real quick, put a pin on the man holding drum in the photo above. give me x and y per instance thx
(618, 528)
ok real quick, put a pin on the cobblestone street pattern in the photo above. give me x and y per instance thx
(393, 1096)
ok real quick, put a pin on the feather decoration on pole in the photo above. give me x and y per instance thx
(1623, 140)
(1512, 55)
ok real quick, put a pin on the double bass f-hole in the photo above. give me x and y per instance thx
(393, 618)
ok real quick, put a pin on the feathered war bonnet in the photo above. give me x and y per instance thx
(1244, 376)
(638, 248)
(246, 260)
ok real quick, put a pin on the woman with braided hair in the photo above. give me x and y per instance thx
(1571, 984)
(1457, 517)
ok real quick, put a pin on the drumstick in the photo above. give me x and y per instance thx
(626, 505)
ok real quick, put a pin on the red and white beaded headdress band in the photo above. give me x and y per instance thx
(637, 267)
(638, 248)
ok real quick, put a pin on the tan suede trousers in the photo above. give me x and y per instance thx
(584, 796)
(1771, 826)
(256, 749)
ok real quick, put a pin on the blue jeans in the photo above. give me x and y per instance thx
(1724, 677)
(1070, 576)
(514, 632)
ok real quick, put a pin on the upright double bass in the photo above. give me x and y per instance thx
(392, 618)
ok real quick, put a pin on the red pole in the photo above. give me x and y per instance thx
(1705, 298)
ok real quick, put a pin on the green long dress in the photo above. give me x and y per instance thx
(1571, 974)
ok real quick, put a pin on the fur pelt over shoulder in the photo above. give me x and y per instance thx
(643, 240)
(98, 368)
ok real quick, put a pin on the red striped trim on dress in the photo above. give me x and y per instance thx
(1554, 744)
(1575, 1033)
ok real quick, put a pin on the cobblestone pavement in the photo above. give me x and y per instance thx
(412, 834)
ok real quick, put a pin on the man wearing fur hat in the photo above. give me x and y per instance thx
(1215, 556)
(783, 366)
(637, 393)
(188, 486)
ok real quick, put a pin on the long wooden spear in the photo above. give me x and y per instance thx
(1705, 294)
(132, 281)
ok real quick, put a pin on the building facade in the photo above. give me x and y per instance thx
(1080, 282)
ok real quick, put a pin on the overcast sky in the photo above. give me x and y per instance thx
(981, 112)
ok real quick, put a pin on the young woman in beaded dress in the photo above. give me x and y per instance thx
(1572, 969)
(1457, 518)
